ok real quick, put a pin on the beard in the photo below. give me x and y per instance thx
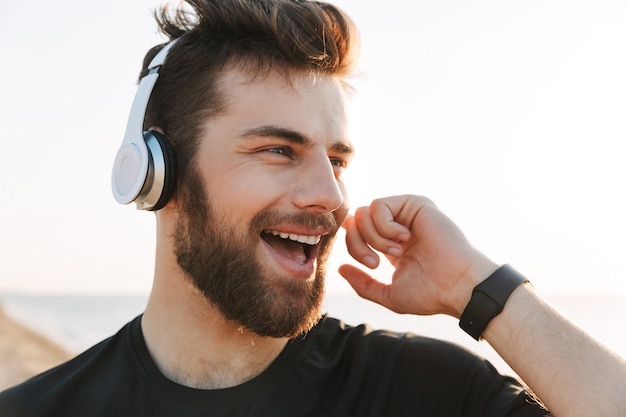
(220, 260)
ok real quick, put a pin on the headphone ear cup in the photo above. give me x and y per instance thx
(163, 166)
(130, 170)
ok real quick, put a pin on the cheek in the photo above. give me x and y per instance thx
(241, 197)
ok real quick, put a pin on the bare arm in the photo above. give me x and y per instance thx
(436, 271)
(570, 371)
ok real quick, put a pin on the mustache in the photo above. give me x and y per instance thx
(310, 220)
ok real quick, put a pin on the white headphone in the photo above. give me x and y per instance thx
(145, 166)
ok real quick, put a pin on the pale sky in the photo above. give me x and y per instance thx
(510, 115)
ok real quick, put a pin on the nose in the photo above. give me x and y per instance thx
(317, 188)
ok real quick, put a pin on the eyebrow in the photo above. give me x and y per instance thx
(294, 137)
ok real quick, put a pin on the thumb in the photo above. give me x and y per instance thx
(366, 286)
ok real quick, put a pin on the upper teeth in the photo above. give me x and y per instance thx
(309, 240)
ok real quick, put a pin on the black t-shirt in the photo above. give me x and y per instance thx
(335, 370)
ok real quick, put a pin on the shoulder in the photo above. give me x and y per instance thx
(81, 375)
(334, 334)
(418, 373)
(384, 351)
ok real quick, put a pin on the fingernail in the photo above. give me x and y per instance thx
(394, 251)
(369, 261)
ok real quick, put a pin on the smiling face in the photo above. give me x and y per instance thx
(258, 217)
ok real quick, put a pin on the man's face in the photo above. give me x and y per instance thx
(257, 221)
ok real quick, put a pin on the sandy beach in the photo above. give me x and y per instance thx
(24, 353)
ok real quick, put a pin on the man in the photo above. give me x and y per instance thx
(252, 96)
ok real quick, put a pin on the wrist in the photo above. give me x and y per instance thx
(472, 277)
(488, 299)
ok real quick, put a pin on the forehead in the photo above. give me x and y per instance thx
(315, 105)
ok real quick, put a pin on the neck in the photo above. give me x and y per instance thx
(192, 344)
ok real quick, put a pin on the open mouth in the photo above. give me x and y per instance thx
(299, 248)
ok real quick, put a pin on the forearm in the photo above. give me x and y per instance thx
(567, 369)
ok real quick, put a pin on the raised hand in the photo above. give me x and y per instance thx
(436, 267)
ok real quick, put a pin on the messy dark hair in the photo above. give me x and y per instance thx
(252, 35)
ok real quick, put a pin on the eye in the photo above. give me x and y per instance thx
(281, 150)
(339, 163)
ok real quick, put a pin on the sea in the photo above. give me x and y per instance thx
(77, 322)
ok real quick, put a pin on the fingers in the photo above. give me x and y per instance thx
(384, 213)
(358, 247)
(375, 228)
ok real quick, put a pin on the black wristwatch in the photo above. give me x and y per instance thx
(488, 299)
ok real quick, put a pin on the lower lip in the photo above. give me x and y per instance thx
(293, 268)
